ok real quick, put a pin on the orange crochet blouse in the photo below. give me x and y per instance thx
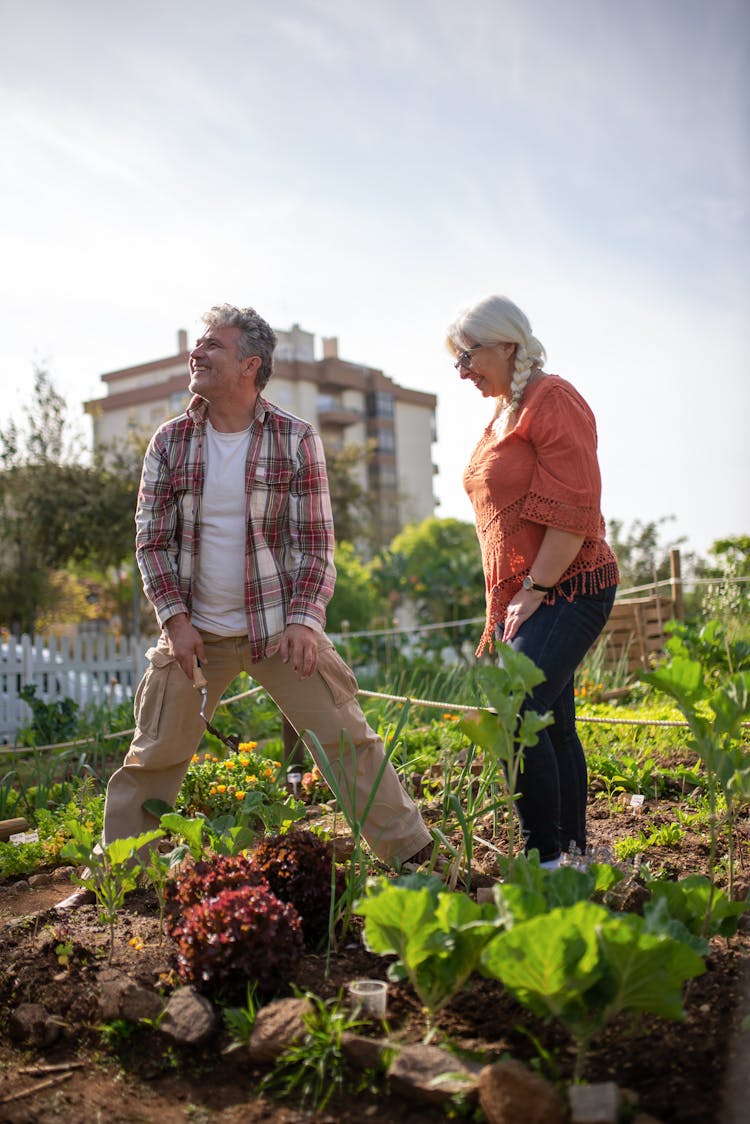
(543, 473)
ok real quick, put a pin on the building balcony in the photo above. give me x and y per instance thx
(338, 416)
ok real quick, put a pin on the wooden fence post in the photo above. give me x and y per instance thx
(675, 573)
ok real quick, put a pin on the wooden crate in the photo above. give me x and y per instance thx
(635, 631)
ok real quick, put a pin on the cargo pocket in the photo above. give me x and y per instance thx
(149, 697)
(338, 678)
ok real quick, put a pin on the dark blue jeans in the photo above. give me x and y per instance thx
(554, 780)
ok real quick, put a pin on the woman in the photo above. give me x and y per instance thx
(533, 480)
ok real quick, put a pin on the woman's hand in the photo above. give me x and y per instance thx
(524, 605)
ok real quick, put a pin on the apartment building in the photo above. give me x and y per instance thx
(348, 403)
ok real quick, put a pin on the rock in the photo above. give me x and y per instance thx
(37, 881)
(140, 1003)
(277, 1026)
(627, 896)
(32, 1023)
(363, 1052)
(110, 994)
(189, 1018)
(594, 1104)
(122, 998)
(509, 1093)
(432, 1075)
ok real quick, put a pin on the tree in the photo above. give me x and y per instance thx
(436, 565)
(641, 555)
(353, 508)
(55, 509)
(726, 597)
(355, 600)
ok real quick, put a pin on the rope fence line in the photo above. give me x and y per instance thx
(6, 750)
(664, 723)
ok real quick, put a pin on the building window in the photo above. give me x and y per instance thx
(380, 404)
(386, 441)
(387, 476)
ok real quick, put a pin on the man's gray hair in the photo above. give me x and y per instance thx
(257, 336)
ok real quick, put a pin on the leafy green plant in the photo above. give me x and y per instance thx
(51, 722)
(582, 965)
(158, 868)
(111, 871)
(315, 1068)
(436, 935)
(702, 910)
(241, 1020)
(714, 711)
(502, 734)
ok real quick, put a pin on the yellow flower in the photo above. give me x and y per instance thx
(229, 764)
(239, 795)
(244, 761)
(252, 779)
(248, 747)
(276, 764)
(212, 790)
(221, 788)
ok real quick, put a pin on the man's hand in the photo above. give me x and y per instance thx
(299, 643)
(186, 642)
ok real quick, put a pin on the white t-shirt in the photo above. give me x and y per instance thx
(219, 583)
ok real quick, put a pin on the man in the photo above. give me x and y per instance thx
(234, 540)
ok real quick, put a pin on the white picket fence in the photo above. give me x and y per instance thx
(88, 669)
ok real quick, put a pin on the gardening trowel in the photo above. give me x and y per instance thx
(231, 741)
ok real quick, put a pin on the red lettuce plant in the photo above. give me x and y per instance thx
(204, 880)
(299, 867)
(237, 936)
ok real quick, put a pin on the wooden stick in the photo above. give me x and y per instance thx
(37, 1070)
(29, 1092)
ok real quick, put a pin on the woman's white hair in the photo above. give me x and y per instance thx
(494, 320)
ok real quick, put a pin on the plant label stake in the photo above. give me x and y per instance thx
(200, 683)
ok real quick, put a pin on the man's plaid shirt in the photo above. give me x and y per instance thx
(289, 572)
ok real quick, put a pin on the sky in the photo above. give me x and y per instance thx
(367, 167)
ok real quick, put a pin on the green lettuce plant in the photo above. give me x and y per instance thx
(693, 907)
(714, 711)
(436, 935)
(583, 965)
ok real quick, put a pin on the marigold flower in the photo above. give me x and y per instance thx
(251, 779)
(229, 764)
(239, 795)
(221, 788)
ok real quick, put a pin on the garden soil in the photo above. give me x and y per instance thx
(692, 1072)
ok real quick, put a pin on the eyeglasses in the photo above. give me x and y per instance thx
(463, 360)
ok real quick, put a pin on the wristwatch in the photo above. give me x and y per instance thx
(529, 583)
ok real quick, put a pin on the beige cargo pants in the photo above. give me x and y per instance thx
(169, 729)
